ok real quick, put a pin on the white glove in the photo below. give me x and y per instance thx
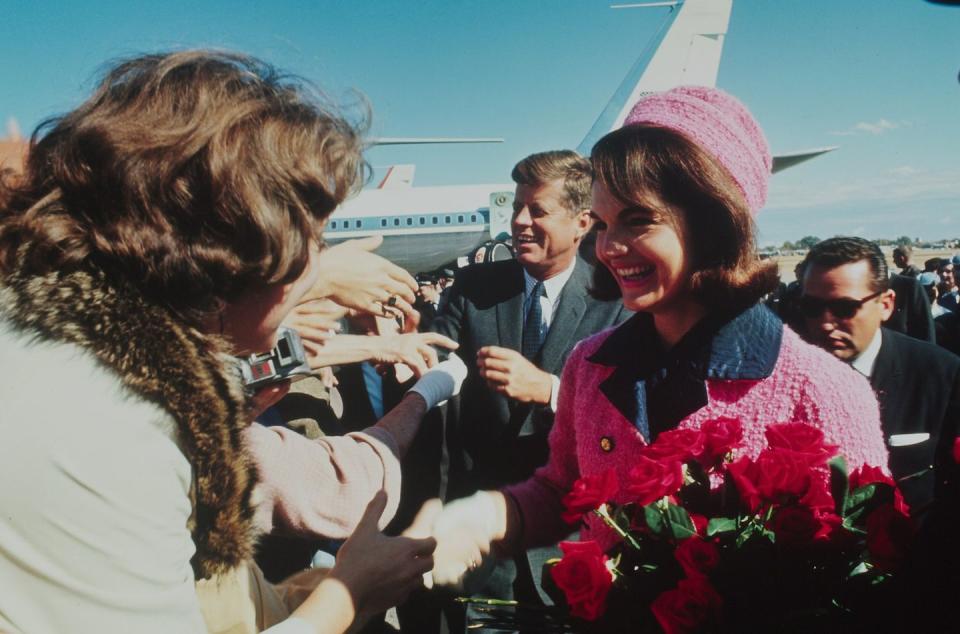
(441, 382)
(464, 530)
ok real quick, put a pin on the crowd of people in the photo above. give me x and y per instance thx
(173, 223)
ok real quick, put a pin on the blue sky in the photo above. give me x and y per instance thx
(877, 78)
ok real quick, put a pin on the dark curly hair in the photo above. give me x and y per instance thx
(727, 273)
(193, 175)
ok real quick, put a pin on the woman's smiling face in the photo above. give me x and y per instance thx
(643, 247)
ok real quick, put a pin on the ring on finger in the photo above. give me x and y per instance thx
(392, 301)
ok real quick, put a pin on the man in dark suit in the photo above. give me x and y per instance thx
(846, 297)
(516, 322)
(911, 309)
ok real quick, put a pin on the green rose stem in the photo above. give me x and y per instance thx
(603, 514)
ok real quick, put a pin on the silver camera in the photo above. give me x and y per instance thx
(286, 362)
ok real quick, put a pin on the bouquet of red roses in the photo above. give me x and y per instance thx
(789, 541)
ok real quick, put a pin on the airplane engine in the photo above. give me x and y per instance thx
(501, 211)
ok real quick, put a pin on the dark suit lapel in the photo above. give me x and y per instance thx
(887, 366)
(510, 312)
(566, 320)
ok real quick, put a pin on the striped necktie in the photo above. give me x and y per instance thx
(533, 323)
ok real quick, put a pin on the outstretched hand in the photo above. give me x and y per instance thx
(415, 350)
(316, 320)
(355, 277)
(379, 571)
(465, 530)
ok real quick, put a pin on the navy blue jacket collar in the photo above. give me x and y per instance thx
(744, 346)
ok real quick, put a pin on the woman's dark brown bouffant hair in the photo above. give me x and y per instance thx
(193, 175)
(727, 273)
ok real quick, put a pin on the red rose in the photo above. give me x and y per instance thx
(700, 523)
(782, 473)
(583, 577)
(818, 496)
(697, 557)
(678, 445)
(874, 475)
(889, 537)
(746, 478)
(691, 607)
(649, 480)
(795, 525)
(588, 493)
(801, 438)
(832, 531)
(720, 436)
(868, 475)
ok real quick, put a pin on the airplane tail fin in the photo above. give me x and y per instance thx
(686, 50)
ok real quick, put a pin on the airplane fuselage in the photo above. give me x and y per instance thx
(423, 228)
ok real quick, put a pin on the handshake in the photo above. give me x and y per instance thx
(464, 531)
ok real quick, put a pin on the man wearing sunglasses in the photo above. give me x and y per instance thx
(845, 299)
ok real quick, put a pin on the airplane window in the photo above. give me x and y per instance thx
(435, 220)
(473, 217)
(383, 222)
(357, 224)
(460, 219)
(446, 220)
(423, 220)
(333, 224)
(396, 222)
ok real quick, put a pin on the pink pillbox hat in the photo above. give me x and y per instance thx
(719, 124)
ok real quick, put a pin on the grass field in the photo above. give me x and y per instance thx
(788, 262)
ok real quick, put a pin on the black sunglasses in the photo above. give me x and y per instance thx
(812, 307)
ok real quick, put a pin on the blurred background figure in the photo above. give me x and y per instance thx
(901, 257)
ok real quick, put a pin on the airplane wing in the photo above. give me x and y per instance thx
(783, 161)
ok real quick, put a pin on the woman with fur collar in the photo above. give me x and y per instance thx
(166, 225)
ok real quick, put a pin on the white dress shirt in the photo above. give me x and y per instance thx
(552, 288)
(866, 360)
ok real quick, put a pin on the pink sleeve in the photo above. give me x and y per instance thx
(841, 402)
(540, 499)
(322, 486)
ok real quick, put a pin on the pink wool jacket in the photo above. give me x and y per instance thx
(755, 370)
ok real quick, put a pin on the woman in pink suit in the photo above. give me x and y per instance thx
(674, 195)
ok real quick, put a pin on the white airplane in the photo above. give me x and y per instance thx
(428, 227)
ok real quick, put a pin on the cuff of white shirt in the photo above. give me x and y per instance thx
(554, 391)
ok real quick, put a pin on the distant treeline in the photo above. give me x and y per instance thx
(806, 242)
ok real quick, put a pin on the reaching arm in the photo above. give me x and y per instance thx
(415, 350)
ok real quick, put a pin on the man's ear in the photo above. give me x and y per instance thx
(887, 303)
(584, 222)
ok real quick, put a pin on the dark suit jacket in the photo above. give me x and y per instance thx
(911, 311)
(497, 441)
(948, 331)
(918, 387)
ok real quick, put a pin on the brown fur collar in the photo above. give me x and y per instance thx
(173, 366)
